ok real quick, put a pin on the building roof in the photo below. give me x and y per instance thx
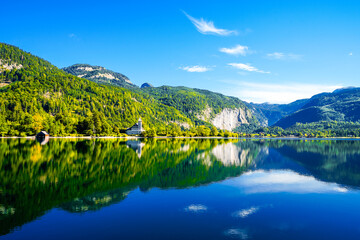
(134, 126)
(42, 133)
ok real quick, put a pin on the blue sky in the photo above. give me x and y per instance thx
(260, 51)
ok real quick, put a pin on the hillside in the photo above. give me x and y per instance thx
(35, 95)
(204, 107)
(201, 106)
(100, 75)
(340, 105)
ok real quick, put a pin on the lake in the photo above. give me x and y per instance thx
(179, 189)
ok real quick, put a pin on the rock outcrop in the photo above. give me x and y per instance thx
(229, 119)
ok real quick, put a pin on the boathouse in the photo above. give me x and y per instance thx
(42, 134)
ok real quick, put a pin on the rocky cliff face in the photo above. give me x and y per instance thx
(100, 75)
(230, 119)
(6, 65)
(227, 119)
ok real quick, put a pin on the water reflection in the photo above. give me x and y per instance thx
(89, 174)
(83, 175)
(136, 146)
(282, 181)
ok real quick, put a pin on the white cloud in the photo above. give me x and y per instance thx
(246, 67)
(283, 56)
(350, 54)
(275, 93)
(245, 212)
(195, 68)
(260, 181)
(208, 27)
(196, 208)
(237, 50)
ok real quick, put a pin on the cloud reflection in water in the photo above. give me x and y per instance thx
(260, 181)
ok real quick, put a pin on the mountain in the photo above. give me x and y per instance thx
(268, 114)
(340, 105)
(201, 106)
(35, 95)
(99, 75)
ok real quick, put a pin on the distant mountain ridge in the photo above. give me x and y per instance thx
(100, 75)
(339, 105)
(268, 114)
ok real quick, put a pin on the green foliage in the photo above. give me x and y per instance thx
(320, 129)
(195, 102)
(43, 97)
(150, 133)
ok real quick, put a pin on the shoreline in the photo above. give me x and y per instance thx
(168, 137)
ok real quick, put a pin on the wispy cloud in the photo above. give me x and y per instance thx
(246, 67)
(275, 93)
(196, 208)
(350, 54)
(208, 27)
(237, 50)
(195, 68)
(283, 56)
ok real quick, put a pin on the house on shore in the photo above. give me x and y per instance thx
(42, 134)
(136, 129)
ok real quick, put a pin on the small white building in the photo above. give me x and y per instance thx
(136, 129)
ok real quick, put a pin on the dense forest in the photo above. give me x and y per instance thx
(39, 96)
(35, 96)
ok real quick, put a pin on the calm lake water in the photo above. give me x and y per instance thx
(179, 189)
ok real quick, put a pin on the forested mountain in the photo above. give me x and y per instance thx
(340, 105)
(35, 95)
(268, 114)
(201, 106)
(204, 107)
(100, 75)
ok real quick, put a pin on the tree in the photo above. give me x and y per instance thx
(214, 131)
(150, 133)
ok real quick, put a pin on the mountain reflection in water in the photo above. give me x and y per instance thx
(79, 175)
